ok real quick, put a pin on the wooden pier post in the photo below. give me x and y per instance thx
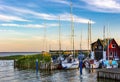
(37, 66)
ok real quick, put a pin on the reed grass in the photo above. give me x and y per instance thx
(28, 61)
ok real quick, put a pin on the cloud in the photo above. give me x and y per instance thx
(32, 26)
(64, 16)
(9, 18)
(31, 5)
(28, 25)
(52, 25)
(28, 12)
(39, 26)
(10, 25)
(9, 32)
(60, 1)
(110, 6)
(67, 17)
(4, 30)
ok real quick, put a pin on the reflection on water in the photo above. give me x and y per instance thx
(9, 74)
(107, 80)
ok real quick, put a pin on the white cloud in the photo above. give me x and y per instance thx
(52, 25)
(103, 3)
(60, 1)
(9, 18)
(4, 30)
(67, 17)
(29, 12)
(28, 25)
(32, 26)
(39, 26)
(112, 6)
(9, 25)
(10, 32)
(64, 16)
(109, 6)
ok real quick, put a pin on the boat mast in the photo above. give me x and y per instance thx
(45, 40)
(104, 32)
(104, 40)
(72, 28)
(81, 41)
(108, 40)
(88, 37)
(59, 37)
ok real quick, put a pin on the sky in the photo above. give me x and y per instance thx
(33, 25)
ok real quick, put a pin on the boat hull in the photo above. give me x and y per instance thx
(110, 64)
(92, 65)
(72, 65)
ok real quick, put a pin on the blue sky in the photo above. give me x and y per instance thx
(22, 23)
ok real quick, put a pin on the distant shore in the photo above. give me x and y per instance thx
(2, 54)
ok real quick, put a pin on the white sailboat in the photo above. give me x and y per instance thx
(90, 62)
(70, 65)
(71, 62)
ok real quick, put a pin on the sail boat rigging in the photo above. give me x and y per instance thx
(81, 40)
(89, 36)
(108, 40)
(90, 62)
(59, 37)
(72, 30)
(72, 63)
(44, 39)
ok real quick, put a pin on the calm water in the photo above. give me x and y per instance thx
(9, 74)
(17, 53)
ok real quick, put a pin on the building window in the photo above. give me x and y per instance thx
(113, 45)
(115, 54)
(111, 54)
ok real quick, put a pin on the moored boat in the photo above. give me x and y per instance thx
(91, 63)
(70, 63)
(110, 64)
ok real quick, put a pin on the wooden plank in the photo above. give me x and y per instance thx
(112, 73)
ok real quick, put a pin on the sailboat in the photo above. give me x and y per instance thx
(90, 62)
(71, 62)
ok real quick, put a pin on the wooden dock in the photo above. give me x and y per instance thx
(48, 66)
(111, 73)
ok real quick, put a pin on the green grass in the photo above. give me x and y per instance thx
(28, 61)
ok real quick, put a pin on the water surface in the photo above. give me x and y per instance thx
(10, 74)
